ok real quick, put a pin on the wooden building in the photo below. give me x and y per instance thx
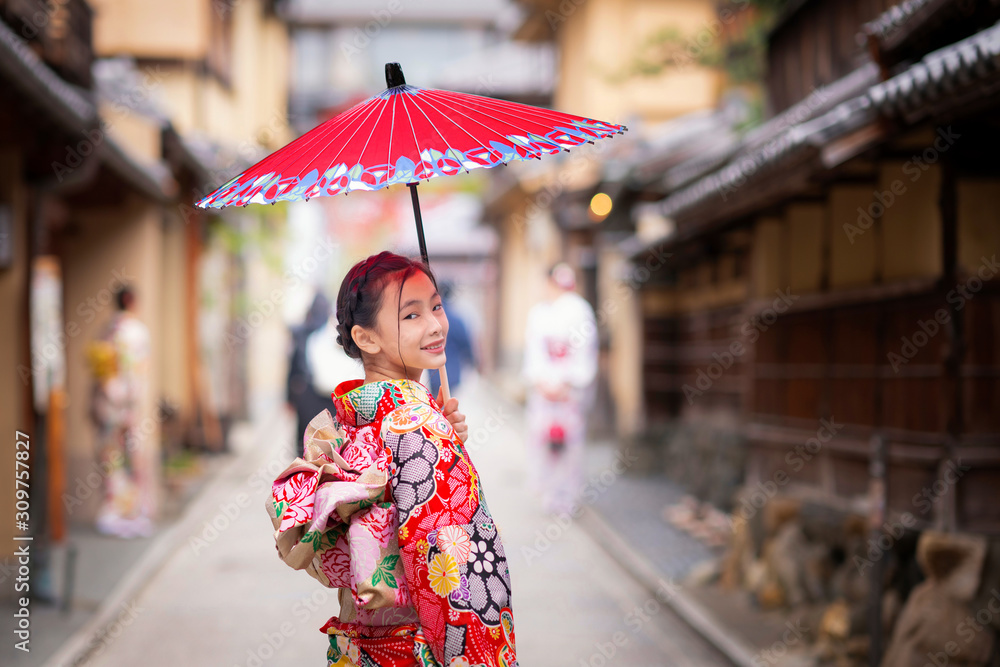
(837, 268)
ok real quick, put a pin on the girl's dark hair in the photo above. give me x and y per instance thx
(360, 295)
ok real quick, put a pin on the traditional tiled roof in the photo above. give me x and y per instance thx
(940, 74)
(961, 67)
(898, 17)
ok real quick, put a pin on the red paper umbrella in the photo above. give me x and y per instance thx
(403, 135)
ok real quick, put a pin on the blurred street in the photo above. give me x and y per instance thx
(230, 601)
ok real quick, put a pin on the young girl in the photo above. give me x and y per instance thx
(387, 505)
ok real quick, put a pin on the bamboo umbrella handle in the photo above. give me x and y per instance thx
(444, 383)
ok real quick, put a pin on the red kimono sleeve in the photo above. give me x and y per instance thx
(453, 557)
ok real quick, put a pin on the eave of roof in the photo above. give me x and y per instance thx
(69, 107)
(938, 77)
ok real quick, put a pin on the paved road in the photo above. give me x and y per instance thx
(228, 600)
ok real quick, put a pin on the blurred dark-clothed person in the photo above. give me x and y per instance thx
(459, 346)
(301, 393)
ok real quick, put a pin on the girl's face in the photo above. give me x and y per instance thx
(411, 328)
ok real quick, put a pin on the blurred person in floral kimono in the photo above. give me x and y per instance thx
(386, 504)
(119, 361)
(560, 364)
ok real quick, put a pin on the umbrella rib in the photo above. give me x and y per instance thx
(431, 123)
(469, 134)
(280, 159)
(388, 154)
(518, 108)
(361, 154)
(509, 108)
(416, 142)
(284, 157)
(487, 127)
(330, 142)
(515, 108)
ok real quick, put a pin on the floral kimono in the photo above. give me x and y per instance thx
(387, 507)
(119, 362)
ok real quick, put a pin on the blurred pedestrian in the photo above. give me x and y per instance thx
(300, 392)
(460, 348)
(328, 365)
(560, 364)
(119, 360)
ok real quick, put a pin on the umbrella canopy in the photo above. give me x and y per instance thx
(404, 135)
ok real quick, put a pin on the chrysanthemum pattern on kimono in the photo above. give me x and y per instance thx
(388, 507)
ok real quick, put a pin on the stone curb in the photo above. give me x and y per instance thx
(701, 620)
(80, 645)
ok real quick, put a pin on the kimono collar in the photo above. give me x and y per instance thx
(358, 404)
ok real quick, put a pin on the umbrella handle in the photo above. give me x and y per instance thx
(444, 383)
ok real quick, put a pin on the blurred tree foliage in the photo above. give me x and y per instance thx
(736, 43)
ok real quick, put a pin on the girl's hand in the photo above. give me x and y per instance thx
(451, 413)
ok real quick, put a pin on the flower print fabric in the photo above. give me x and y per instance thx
(396, 519)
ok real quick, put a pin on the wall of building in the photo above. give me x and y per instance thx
(599, 41)
(146, 30)
(242, 106)
(175, 380)
(618, 311)
(13, 287)
(528, 248)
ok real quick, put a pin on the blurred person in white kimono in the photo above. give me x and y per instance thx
(560, 365)
(328, 364)
(120, 364)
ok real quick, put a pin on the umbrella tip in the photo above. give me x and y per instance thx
(394, 75)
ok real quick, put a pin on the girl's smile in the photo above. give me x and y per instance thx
(435, 348)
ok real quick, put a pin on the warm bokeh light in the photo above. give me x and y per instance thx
(600, 206)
